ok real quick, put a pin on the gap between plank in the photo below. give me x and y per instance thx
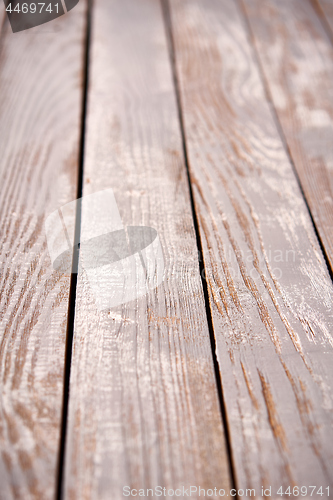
(279, 127)
(73, 283)
(172, 55)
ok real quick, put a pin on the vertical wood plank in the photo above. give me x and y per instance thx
(270, 291)
(41, 78)
(144, 408)
(297, 59)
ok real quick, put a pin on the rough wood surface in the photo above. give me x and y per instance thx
(144, 408)
(297, 60)
(270, 291)
(40, 104)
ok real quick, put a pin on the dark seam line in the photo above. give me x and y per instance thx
(218, 376)
(280, 130)
(73, 283)
(323, 19)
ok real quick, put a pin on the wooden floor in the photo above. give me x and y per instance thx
(212, 121)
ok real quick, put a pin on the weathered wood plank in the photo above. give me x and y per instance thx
(270, 291)
(297, 60)
(144, 407)
(40, 104)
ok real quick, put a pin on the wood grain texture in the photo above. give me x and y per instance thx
(144, 408)
(297, 60)
(270, 291)
(40, 105)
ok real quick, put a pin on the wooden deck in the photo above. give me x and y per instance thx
(212, 122)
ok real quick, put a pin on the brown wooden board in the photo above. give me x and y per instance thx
(297, 60)
(270, 291)
(144, 409)
(41, 78)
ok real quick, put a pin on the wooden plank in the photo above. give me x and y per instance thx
(40, 104)
(297, 59)
(325, 8)
(144, 408)
(270, 292)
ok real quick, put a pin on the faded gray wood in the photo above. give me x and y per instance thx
(270, 291)
(144, 408)
(297, 60)
(40, 103)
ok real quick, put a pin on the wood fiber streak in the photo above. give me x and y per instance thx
(270, 291)
(325, 7)
(144, 407)
(40, 102)
(297, 59)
